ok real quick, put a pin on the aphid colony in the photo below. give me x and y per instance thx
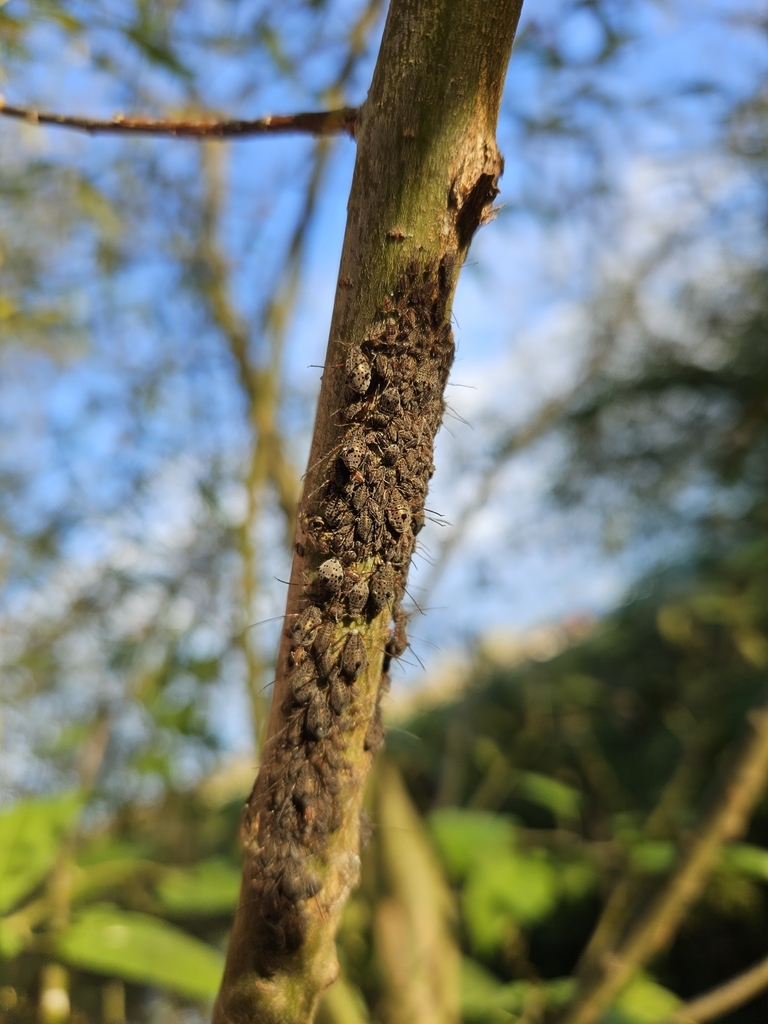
(360, 527)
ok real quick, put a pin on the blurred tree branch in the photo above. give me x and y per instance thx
(329, 122)
(742, 790)
(725, 998)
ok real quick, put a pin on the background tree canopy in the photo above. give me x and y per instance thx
(161, 305)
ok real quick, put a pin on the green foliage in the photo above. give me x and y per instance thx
(465, 837)
(643, 1001)
(502, 892)
(484, 1000)
(627, 725)
(141, 949)
(210, 887)
(31, 834)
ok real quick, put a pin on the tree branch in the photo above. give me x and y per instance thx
(326, 122)
(721, 1000)
(425, 176)
(655, 929)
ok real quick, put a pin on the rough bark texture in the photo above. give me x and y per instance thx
(425, 178)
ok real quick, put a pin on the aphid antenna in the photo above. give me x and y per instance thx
(416, 603)
(434, 512)
(449, 411)
(405, 661)
(287, 583)
(411, 735)
(423, 640)
(469, 387)
(394, 828)
(262, 622)
(322, 459)
(266, 686)
(314, 465)
(424, 557)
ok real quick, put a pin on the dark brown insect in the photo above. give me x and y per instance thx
(398, 516)
(323, 638)
(390, 455)
(307, 785)
(353, 453)
(389, 403)
(357, 598)
(354, 658)
(318, 719)
(398, 641)
(298, 883)
(303, 683)
(374, 735)
(336, 512)
(359, 497)
(382, 589)
(343, 539)
(330, 576)
(339, 696)
(302, 628)
(364, 526)
(358, 372)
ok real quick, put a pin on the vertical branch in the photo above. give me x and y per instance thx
(418, 956)
(261, 382)
(425, 176)
(254, 387)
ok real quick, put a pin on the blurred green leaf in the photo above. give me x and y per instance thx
(653, 857)
(563, 801)
(11, 942)
(577, 878)
(483, 995)
(463, 836)
(504, 891)
(643, 1001)
(210, 887)
(141, 949)
(274, 47)
(31, 833)
(486, 1000)
(97, 207)
(746, 859)
(105, 848)
(157, 50)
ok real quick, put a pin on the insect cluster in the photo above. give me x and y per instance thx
(360, 527)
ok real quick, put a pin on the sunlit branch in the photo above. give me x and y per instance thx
(743, 788)
(727, 997)
(630, 888)
(325, 122)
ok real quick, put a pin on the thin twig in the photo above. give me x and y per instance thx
(630, 889)
(656, 928)
(324, 122)
(721, 1000)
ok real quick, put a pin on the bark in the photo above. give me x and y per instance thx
(425, 178)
